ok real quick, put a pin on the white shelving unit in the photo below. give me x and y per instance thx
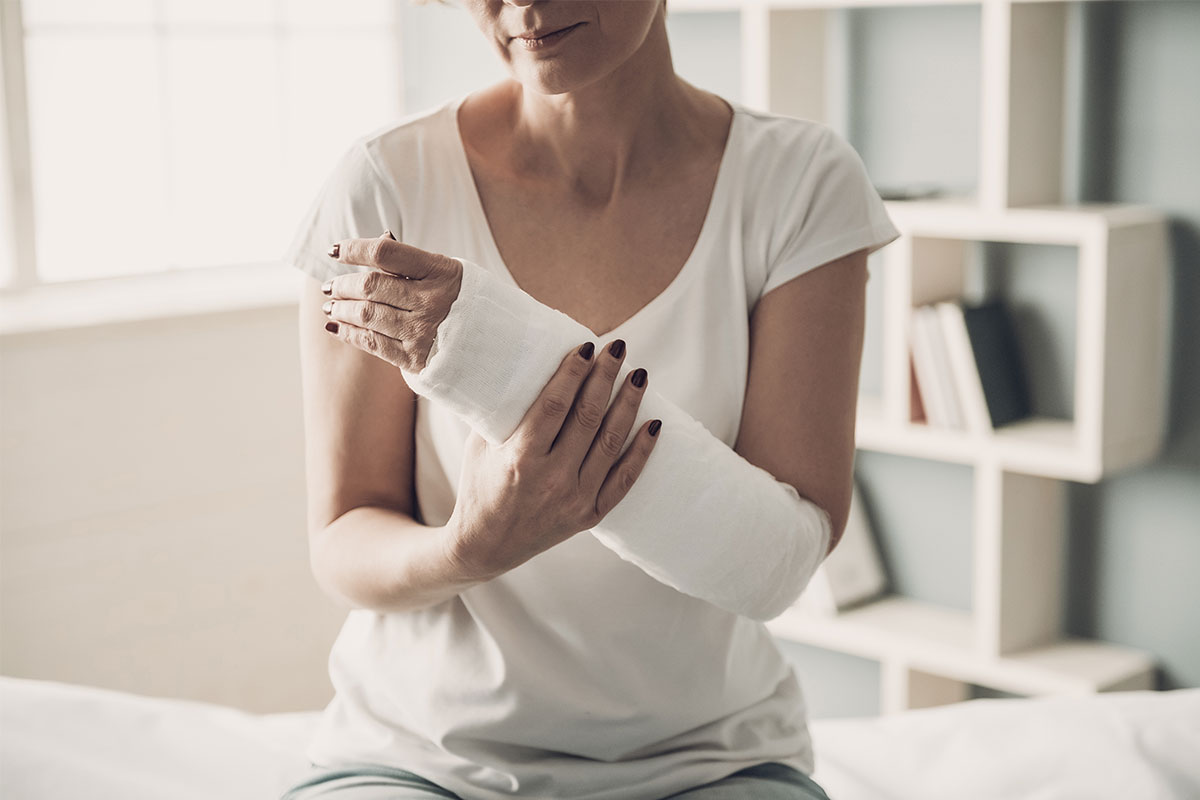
(1012, 639)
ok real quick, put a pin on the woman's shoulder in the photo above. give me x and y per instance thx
(375, 182)
(789, 163)
(775, 127)
(400, 134)
(778, 147)
(403, 145)
(399, 163)
(808, 199)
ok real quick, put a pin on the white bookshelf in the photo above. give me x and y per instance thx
(1012, 638)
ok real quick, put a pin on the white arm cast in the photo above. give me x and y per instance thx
(700, 518)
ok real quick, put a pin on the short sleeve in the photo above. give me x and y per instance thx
(830, 209)
(355, 201)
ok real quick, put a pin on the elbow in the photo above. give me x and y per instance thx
(319, 568)
(837, 527)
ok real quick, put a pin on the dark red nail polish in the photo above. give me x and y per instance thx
(388, 234)
(617, 348)
(587, 350)
(332, 327)
(654, 426)
(327, 287)
(333, 251)
(638, 378)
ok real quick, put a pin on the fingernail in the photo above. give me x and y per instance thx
(638, 378)
(617, 348)
(388, 234)
(654, 426)
(327, 287)
(587, 350)
(333, 251)
(328, 306)
(332, 327)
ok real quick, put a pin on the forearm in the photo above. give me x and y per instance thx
(700, 517)
(384, 560)
(706, 521)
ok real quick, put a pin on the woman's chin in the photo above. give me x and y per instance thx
(557, 75)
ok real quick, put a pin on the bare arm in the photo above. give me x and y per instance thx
(365, 546)
(806, 340)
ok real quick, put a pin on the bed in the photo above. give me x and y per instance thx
(62, 740)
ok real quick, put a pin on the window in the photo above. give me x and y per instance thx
(176, 134)
(8, 256)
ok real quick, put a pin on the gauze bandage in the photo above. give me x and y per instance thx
(700, 518)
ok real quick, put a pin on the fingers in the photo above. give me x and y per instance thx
(623, 474)
(544, 419)
(394, 351)
(610, 441)
(376, 286)
(580, 426)
(390, 321)
(360, 298)
(389, 255)
(374, 300)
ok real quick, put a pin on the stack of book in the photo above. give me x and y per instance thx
(966, 367)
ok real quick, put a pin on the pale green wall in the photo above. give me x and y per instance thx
(1134, 540)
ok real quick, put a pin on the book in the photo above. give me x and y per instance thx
(937, 385)
(852, 574)
(916, 407)
(925, 368)
(945, 378)
(963, 367)
(997, 356)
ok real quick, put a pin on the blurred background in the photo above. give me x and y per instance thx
(156, 158)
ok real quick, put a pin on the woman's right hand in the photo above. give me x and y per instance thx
(558, 473)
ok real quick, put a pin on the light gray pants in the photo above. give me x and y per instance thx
(769, 781)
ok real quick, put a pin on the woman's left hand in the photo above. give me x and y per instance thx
(393, 311)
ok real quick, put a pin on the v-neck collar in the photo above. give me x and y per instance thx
(695, 257)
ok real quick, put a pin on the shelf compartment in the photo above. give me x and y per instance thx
(941, 642)
(902, 688)
(1024, 84)
(1020, 527)
(785, 53)
(893, 627)
(1071, 224)
(1120, 335)
(822, 61)
(1038, 445)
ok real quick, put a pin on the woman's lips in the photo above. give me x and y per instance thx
(549, 39)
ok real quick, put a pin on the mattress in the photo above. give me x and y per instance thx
(66, 741)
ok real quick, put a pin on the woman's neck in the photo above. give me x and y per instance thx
(618, 130)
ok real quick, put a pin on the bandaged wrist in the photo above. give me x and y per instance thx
(699, 518)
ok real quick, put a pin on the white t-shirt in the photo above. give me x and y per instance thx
(576, 675)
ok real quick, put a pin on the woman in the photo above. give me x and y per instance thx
(496, 647)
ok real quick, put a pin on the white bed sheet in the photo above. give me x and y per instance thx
(1122, 745)
(61, 741)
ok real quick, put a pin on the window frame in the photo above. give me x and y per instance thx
(29, 304)
(15, 155)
